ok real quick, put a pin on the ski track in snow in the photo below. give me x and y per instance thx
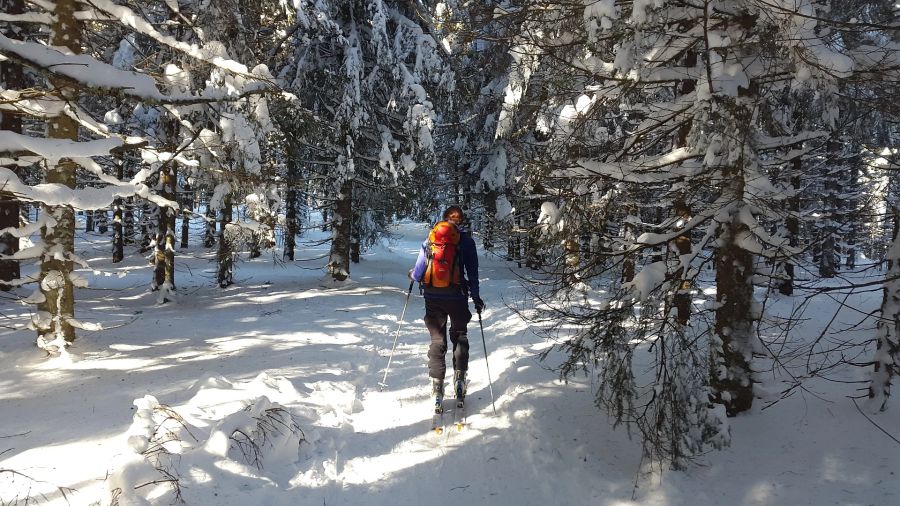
(64, 423)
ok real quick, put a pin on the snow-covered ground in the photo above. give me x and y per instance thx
(70, 427)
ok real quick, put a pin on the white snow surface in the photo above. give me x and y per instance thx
(286, 336)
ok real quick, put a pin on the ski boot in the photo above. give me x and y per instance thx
(459, 384)
(437, 390)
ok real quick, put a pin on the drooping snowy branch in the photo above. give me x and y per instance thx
(53, 194)
(87, 71)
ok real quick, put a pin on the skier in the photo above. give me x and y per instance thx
(448, 299)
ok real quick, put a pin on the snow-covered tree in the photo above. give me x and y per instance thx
(76, 80)
(365, 71)
(665, 106)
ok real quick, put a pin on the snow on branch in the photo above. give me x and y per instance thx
(650, 169)
(31, 102)
(765, 142)
(54, 194)
(83, 69)
(131, 19)
(651, 239)
(55, 149)
(28, 17)
(89, 72)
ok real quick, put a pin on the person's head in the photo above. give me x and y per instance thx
(455, 215)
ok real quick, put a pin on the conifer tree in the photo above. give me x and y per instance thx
(665, 104)
(73, 78)
(367, 77)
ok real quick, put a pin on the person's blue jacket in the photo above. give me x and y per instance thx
(467, 259)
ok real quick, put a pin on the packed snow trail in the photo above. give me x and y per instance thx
(287, 335)
(392, 456)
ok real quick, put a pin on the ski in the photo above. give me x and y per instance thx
(459, 414)
(437, 419)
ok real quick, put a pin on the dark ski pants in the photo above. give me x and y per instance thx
(437, 312)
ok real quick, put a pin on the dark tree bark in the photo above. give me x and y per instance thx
(682, 209)
(325, 224)
(187, 210)
(355, 236)
(58, 306)
(730, 347)
(630, 233)
(291, 224)
(339, 258)
(12, 77)
(730, 378)
(102, 221)
(887, 340)
(683, 244)
(852, 211)
(128, 221)
(225, 254)
(829, 245)
(532, 254)
(164, 272)
(118, 241)
(210, 235)
(514, 242)
(149, 213)
(792, 224)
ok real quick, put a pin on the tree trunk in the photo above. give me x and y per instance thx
(339, 258)
(149, 213)
(89, 221)
(225, 254)
(128, 221)
(187, 210)
(629, 235)
(355, 235)
(887, 339)
(730, 348)
(118, 241)
(290, 221)
(325, 224)
(164, 273)
(514, 239)
(58, 306)
(12, 77)
(209, 237)
(532, 247)
(731, 343)
(829, 245)
(683, 243)
(255, 241)
(853, 214)
(682, 209)
(792, 223)
(102, 221)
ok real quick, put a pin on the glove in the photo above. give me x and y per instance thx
(479, 304)
(409, 275)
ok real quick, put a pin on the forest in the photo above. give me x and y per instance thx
(678, 187)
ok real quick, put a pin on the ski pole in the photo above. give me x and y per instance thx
(487, 363)
(396, 336)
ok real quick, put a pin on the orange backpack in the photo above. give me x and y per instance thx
(440, 251)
